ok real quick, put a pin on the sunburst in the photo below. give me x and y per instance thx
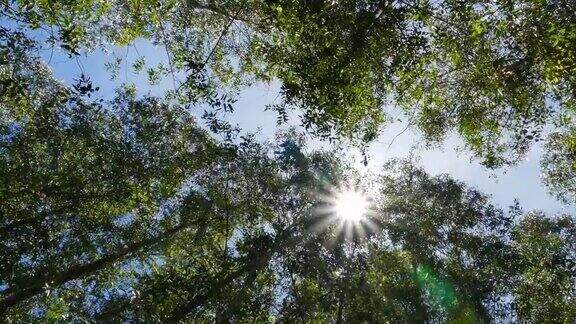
(350, 206)
(347, 212)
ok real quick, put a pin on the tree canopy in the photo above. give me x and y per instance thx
(498, 74)
(127, 209)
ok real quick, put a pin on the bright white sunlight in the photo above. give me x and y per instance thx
(351, 206)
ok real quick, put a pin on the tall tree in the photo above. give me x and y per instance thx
(559, 165)
(124, 209)
(545, 288)
(496, 74)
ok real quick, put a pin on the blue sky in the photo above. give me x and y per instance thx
(521, 182)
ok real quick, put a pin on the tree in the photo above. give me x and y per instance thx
(559, 165)
(249, 229)
(124, 209)
(545, 287)
(495, 74)
(85, 184)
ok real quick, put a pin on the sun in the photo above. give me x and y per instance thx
(350, 206)
(347, 212)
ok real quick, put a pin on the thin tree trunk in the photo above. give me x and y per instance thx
(112, 314)
(296, 297)
(198, 300)
(339, 319)
(482, 313)
(37, 284)
(283, 240)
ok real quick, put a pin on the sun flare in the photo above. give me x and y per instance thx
(351, 206)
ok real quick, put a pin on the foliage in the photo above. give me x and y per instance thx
(495, 73)
(125, 209)
(546, 287)
(559, 165)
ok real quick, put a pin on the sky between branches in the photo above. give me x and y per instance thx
(520, 182)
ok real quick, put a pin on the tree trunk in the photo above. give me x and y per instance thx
(284, 240)
(37, 284)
